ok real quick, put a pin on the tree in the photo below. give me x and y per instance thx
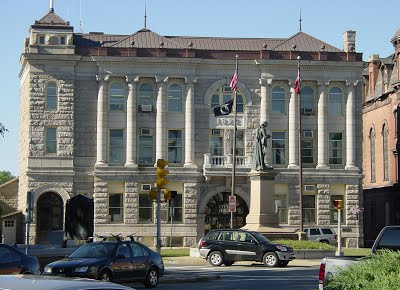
(2, 129)
(5, 176)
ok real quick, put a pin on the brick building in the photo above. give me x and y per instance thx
(98, 110)
(381, 143)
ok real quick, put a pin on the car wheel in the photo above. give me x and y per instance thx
(271, 259)
(229, 263)
(151, 280)
(283, 263)
(105, 275)
(216, 259)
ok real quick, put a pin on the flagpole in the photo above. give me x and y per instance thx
(234, 144)
(300, 155)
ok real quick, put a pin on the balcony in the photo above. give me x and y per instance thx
(222, 165)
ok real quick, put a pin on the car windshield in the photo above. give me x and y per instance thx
(93, 250)
(260, 237)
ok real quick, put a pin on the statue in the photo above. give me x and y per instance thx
(260, 149)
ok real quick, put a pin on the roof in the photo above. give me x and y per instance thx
(396, 35)
(52, 19)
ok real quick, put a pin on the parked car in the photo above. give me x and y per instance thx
(40, 282)
(388, 238)
(227, 246)
(122, 261)
(13, 261)
(321, 234)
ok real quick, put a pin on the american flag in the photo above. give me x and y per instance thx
(297, 83)
(233, 83)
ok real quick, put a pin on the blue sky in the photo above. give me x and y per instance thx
(326, 20)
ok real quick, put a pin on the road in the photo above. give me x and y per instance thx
(241, 277)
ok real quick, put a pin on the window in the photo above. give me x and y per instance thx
(372, 154)
(177, 210)
(220, 97)
(115, 207)
(51, 140)
(137, 250)
(175, 146)
(62, 40)
(116, 151)
(334, 210)
(123, 250)
(307, 100)
(117, 97)
(216, 143)
(42, 39)
(335, 102)
(175, 98)
(278, 100)
(278, 147)
(6, 256)
(229, 236)
(281, 207)
(309, 208)
(385, 156)
(145, 208)
(146, 95)
(335, 148)
(51, 96)
(307, 148)
(240, 150)
(145, 148)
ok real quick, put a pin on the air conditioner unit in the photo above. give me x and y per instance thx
(145, 131)
(146, 187)
(308, 134)
(146, 108)
(216, 132)
(226, 89)
(309, 187)
(307, 111)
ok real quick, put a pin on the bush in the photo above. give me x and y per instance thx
(380, 271)
(304, 245)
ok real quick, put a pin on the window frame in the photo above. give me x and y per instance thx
(276, 98)
(144, 203)
(120, 147)
(312, 211)
(119, 99)
(385, 152)
(220, 140)
(372, 148)
(171, 98)
(120, 207)
(275, 150)
(224, 97)
(55, 141)
(333, 104)
(142, 145)
(51, 97)
(143, 98)
(333, 210)
(281, 211)
(307, 99)
(177, 147)
(310, 140)
(332, 148)
(177, 208)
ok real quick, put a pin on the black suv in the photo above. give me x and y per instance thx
(119, 260)
(227, 246)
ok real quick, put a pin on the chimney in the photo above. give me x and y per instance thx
(373, 70)
(349, 41)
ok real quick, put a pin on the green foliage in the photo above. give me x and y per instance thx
(380, 271)
(176, 252)
(304, 245)
(356, 252)
(5, 176)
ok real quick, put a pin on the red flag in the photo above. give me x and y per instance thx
(297, 83)
(233, 83)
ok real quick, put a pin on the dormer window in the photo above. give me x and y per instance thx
(42, 39)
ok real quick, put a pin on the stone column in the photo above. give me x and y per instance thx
(322, 137)
(265, 109)
(350, 126)
(189, 123)
(293, 130)
(161, 127)
(101, 138)
(131, 134)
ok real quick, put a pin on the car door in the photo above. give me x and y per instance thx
(8, 262)
(140, 261)
(248, 247)
(122, 264)
(314, 234)
(228, 241)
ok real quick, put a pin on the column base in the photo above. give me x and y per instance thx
(190, 165)
(100, 164)
(351, 167)
(293, 166)
(131, 164)
(322, 166)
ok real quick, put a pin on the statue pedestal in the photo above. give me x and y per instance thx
(262, 216)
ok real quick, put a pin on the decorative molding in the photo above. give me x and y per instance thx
(265, 81)
(190, 79)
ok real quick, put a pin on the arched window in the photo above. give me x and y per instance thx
(307, 100)
(385, 141)
(117, 97)
(146, 97)
(372, 154)
(222, 95)
(51, 96)
(175, 98)
(278, 100)
(335, 101)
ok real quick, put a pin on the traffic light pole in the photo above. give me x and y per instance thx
(158, 221)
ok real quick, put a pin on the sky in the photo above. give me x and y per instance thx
(375, 24)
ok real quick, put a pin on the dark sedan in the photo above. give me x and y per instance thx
(119, 261)
(13, 261)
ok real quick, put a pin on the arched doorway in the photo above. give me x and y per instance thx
(50, 215)
(218, 215)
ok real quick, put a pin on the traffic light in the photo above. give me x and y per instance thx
(167, 194)
(161, 173)
(153, 194)
(338, 203)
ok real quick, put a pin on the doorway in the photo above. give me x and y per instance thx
(50, 216)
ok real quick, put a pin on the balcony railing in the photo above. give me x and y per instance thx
(211, 161)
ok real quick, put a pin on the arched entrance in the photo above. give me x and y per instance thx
(50, 215)
(218, 215)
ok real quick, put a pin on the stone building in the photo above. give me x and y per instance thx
(381, 144)
(98, 110)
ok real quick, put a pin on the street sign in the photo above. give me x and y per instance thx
(232, 203)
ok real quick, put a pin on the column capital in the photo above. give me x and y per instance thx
(102, 77)
(350, 84)
(132, 78)
(321, 83)
(191, 79)
(263, 81)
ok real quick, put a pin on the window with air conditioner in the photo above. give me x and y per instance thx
(145, 187)
(308, 134)
(145, 131)
(309, 187)
(146, 108)
(216, 132)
